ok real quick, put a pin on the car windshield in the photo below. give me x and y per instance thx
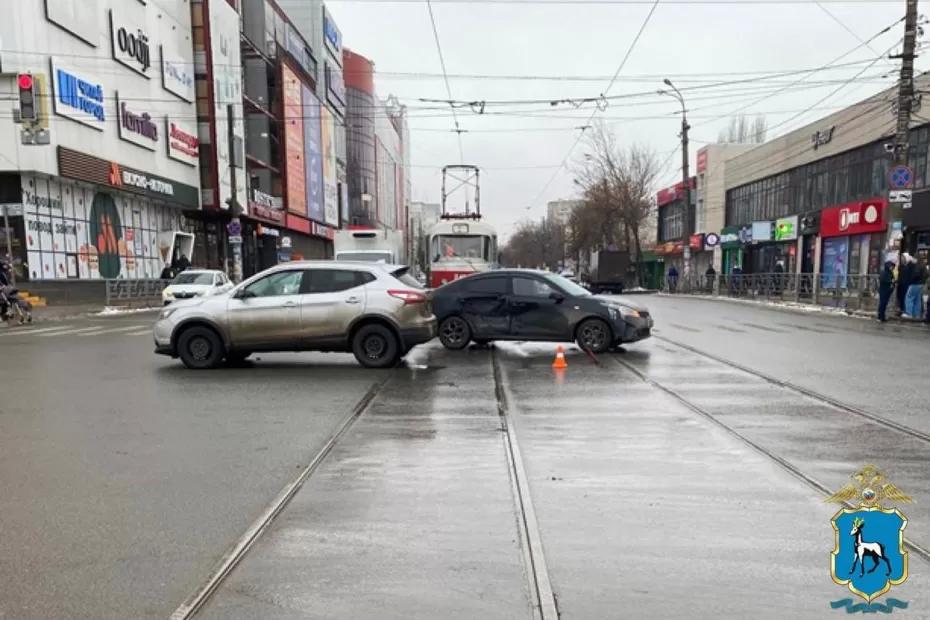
(365, 257)
(567, 285)
(451, 247)
(194, 278)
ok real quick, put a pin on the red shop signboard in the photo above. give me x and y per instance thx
(855, 218)
(697, 242)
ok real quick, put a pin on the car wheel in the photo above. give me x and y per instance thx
(200, 348)
(454, 333)
(376, 346)
(594, 335)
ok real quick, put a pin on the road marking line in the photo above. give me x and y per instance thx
(115, 330)
(234, 555)
(71, 332)
(36, 331)
(143, 332)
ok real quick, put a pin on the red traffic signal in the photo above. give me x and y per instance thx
(28, 108)
(25, 81)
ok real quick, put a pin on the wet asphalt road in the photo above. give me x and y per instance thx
(124, 478)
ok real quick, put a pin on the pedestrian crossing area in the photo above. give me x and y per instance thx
(43, 331)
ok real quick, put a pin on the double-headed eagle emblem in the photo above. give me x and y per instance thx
(870, 488)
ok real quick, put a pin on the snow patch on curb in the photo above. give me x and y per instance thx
(116, 310)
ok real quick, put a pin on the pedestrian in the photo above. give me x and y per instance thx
(914, 289)
(167, 273)
(183, 263)
(711, 275)
(779, 275)
(901, 282)
(672, 279)
(885, 288)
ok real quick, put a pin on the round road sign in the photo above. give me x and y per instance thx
(900, 177)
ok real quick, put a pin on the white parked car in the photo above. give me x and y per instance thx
(196, 283)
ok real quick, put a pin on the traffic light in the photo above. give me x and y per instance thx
(28, 107)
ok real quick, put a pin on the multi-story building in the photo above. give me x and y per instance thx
(560, 211)
(670, 232)
(423, 215)
(816, 199)
(710, 203)
(98, 185)
(378, 151)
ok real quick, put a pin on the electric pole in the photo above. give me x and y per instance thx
(688, 228)
(234, 230)
(905, 102)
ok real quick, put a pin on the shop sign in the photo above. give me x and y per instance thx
(320, 230)
(183, 143)
(702, 160)
(294, 119)
(712, 240)
(761, 231)
(130, 44)
(75, 165)
(177, 75)
(73, 16)
(33, 199)
(696, 242)
(263, 206)
(730, 237)
(822, 137)
(264, 231)
(286, 243)
(855, 218)
(786, 228)
(671, 247)
(77, 98)
(332, 36)
(136, 127)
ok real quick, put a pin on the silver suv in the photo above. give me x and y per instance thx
(378, 312)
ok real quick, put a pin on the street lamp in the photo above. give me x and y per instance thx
(685, 172)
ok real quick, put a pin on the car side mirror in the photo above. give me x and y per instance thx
(556, 297)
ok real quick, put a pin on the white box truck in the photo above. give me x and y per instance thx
(370, 245)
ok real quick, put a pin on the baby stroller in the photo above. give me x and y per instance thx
(12, 308)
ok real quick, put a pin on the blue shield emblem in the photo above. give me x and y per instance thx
(869, 555)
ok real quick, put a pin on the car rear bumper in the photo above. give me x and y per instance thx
(412, 336)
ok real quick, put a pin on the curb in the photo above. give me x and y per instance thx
(800, 309)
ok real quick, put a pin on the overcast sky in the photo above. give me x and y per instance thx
(520, 149)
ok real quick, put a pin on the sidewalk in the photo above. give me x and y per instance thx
(800, 308)
(62, 313)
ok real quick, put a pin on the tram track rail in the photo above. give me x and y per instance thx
(919, 550)
(240, 549)
(544, 602)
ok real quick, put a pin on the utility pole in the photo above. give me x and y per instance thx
(9, 243)
(234, 229)
(905, 102)
(685, 174)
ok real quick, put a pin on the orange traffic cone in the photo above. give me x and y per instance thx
(560, 358)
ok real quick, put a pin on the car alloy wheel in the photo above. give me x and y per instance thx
(594, 336)
(376, 346)
(454, 333)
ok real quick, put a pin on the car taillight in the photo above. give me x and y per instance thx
(408, 297)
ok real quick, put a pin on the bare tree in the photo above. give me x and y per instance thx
(617, 185)
(741, 131)
(536, 244)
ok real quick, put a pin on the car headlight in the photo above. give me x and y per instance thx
(166, 313)
(167, 294)
(623, 311)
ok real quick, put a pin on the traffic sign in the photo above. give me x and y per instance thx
(234, 228)
(900, 195)
(235, 239)
(900, 177)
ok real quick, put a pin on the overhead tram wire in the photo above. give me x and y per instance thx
(445, 75)
(624, 2)
(845, 27)
(623, 62)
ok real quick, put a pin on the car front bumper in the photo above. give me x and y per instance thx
(633, 329)
(162, 334)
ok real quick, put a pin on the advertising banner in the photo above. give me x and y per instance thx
(227, 90)
(855, 218)
(786, 229)
(296, 193)
(78, 96)
(313, 152)
(761, 231)
(835, 263)
(330, 186)
(729, 237)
